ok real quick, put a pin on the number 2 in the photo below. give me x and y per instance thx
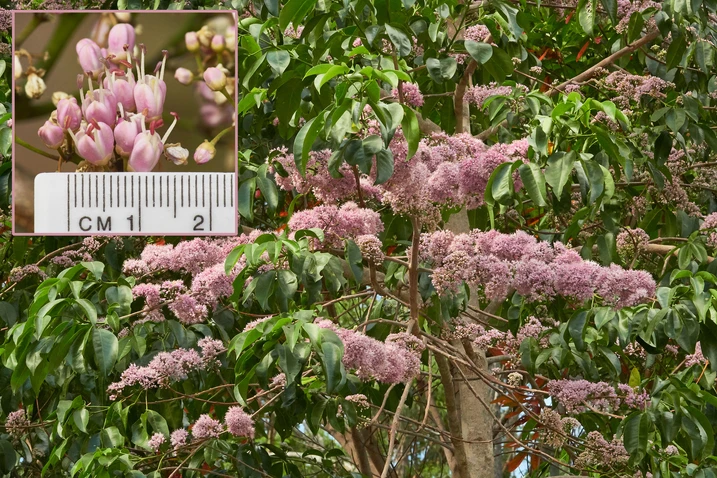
(198, 225)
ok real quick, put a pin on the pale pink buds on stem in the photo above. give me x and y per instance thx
(184, 76)
(215, 79)
(52, 135)
(89, 54)
(217, 44)
(191, 41)
(121, 34)
(69, 114)
(126, 132)
(204, 153)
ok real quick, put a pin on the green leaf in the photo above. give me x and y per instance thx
(576, 329)
(106, 348)
(8, 457)
(400, 40)
(610, 7)
(411, 131)
(287, 287)
(501, 184)
(384, 166)
(332, 355)
(663, 147)
(294, 12)
(441, 70)
(332, 72)
(675, 51)
(559, 170)
(95, 267)
(479, 51)
(703, 55)
(81, 418)
(586, 15)
(500, 64)
(534, 182)
(636, 429)
(596, 179)
(247, 190)
(355, 260)
(305, 139)
(89, 308)
(267, 187)
(278, 61)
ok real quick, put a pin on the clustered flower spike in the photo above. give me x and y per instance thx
(396, 360)
(167, 367)
(120, 111)
(576, 395)
(239, 423)
(536, 270)
(17, 423)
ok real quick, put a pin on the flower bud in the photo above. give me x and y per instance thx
(204, 153)
(17, 66)
(145, 152)
(191, 41)
(149, 97)
(123, 17)
(217, 43)
(69, 114)
(89, 53)
(183, 76)
(35, 86)
(230, 38)
(205, 35)
(96, 144)
(101, 29)
(123, 90)
(126, 132)
(215, 79)
(100, 106)
(52, 135)
(121, 34)
(176, 153)
(59, 95)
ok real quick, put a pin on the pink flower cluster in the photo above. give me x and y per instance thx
(412, 95)
(202, 260)
(574, 395)
(478, 94)
(631, 242)
(120, 114)
(536, 270)
(338, 223)
(602, 453)
(239, 423)
(167, 367)
(16, 423)
(396, 360)
(236, 421)
(445, 171)
(709, 225)
(630, 87)
(696, 358)
(625, 9)
(508, 343)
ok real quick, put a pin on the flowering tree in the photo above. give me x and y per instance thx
(477, 239)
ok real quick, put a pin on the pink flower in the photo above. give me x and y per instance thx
(412, 95)
(89, 54)
(123, 89)
(178, 438)
(69, 114)
(183, 76)
(239, 423)
(16, 423)
(146, 151)
(217, 44)
(215, 79)
(52, 135)
(156, 441)
(204, 153)
(191, 40)
(100, 105)
(96, 144)
(126, 132)
(206, 427)
(120, 35)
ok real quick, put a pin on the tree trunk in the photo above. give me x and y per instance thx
(476, 419)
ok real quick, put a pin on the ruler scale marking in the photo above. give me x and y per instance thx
(134, 214)
(175, 196)
(68, 204)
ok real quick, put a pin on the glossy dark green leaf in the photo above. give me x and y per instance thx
(559, 171)
(294, 12)
(534, 182)
(576, 329)
(636, 429)
(247, 190)
(8, 457)
(267, 187)
(675, 51)
(401, 41)
(106, 347)
(278, 60)
(479, 51)
(305, 139)
(442, 69)
(332, 355)
(411, 131)
(384, 166)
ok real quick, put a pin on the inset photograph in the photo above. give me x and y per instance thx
(124, 123)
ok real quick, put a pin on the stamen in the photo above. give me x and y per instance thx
(121, 108)
(151, 127)
(142, 48)
(165, 54)
(129, 55)
(80, 85)
(144, 127)
(89, 80)
(171, 127)
(72, 135)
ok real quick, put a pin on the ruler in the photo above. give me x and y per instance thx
(135, 203)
